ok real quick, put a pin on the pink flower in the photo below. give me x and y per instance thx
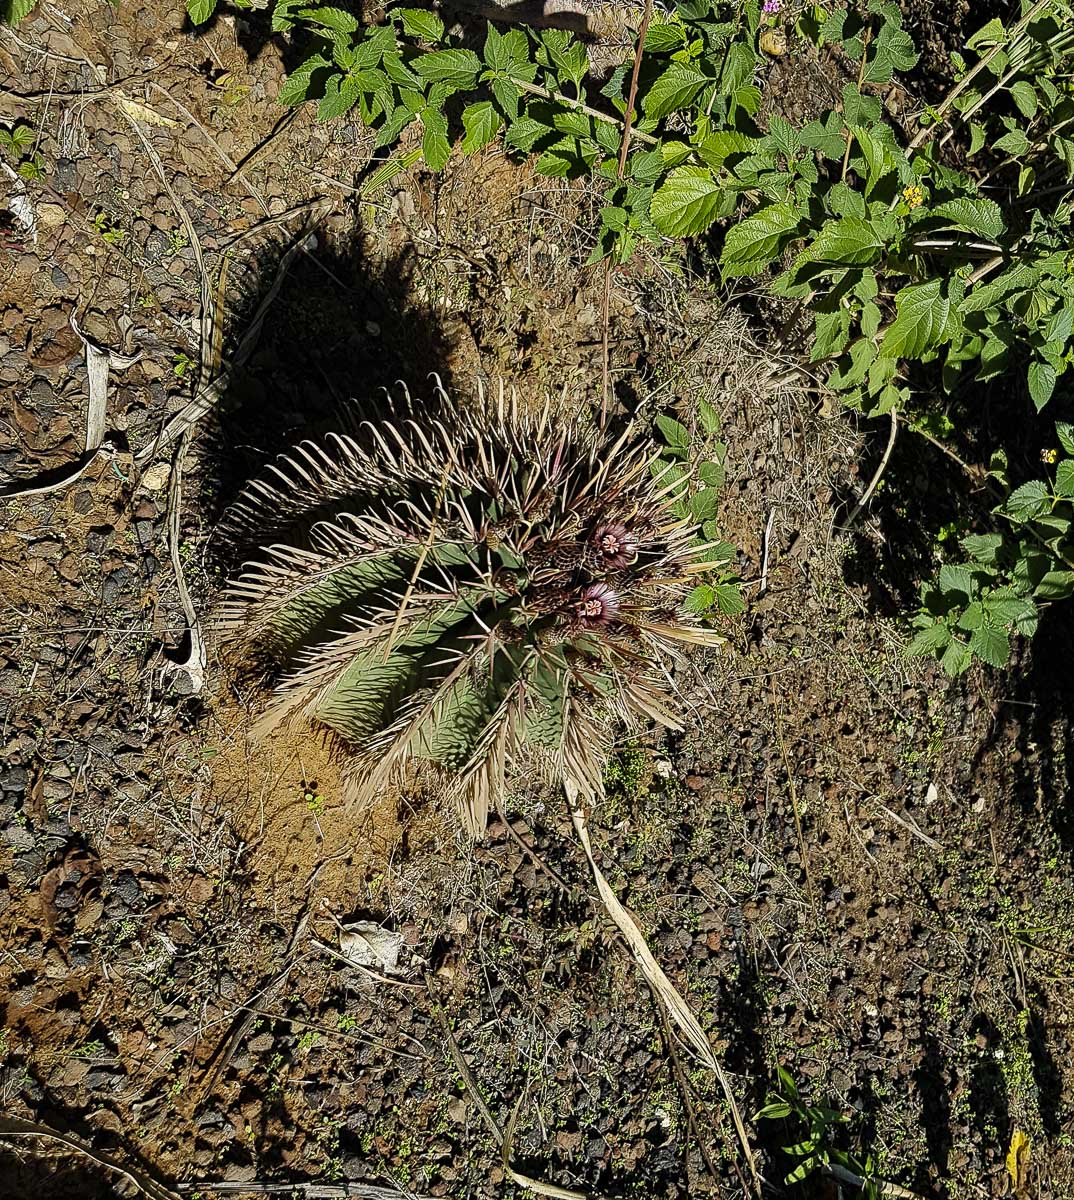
(599, 604)
(771, 7)
(615, 544)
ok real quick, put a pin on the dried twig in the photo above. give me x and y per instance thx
(309, 1191)
(98, 362)
(504, 1137)
(14, 1127)
(670, 997)
(877, 476)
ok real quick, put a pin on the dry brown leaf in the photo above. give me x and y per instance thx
(138, 111)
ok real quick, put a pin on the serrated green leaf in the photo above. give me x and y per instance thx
(199, 11)
(340, 95)
(331, 18)
(1056, 585)
(753, 243)
(956, 658)
(675, 89)
(1065, 432)
(507, 96)
(481, 122)
(972, 213)
(984, 547)
(1041, 378)
(460, 68)
(934, 637)
(924, 320)
(700, 600)
(991, 644)
(420, 23)
(665, 36)
(1028, 501)
(849, 241)
(729, 599)
(435, 147)
(955, 580)
(687, 202)
(525, 133)
(1015, 280)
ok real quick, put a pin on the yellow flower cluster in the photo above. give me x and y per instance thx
(914, 195)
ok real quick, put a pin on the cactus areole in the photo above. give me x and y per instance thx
(460, 580)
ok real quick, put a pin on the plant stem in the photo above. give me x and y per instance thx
(874, 482)
(535, 89)
(861, 76)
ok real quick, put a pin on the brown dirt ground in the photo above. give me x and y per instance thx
(848, 864)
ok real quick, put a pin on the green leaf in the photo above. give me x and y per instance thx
(1014, 143)
(675, 89)
(700, 600)
(199, 11)
(955, 581)
(435, 147)
(675, 434)
(331, 18)
(850, 241)
(460, 68)
(978, 136)
(774, 1111)
(859, 109)
(1016, 279)
(753, 243)
(481, 123)
(991, 644)
(704, 505)
(420, 23)
(297, 84)
(664, 37)
(686, 202)
(1028, 501)
(984, 547)
(1065, 432)
(988, 35)
(507, 96)
(924, 320)
(1056, 585)
(729, 599)
(525, 133)
(1041, 377)
(972, 213)
(712, 474)
(934, 637)
(1025, 96)
(340, 95)
(957, 658)
(710, 418)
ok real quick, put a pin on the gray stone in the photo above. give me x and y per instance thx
(18, 836)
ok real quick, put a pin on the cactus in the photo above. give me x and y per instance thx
(457, 581)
